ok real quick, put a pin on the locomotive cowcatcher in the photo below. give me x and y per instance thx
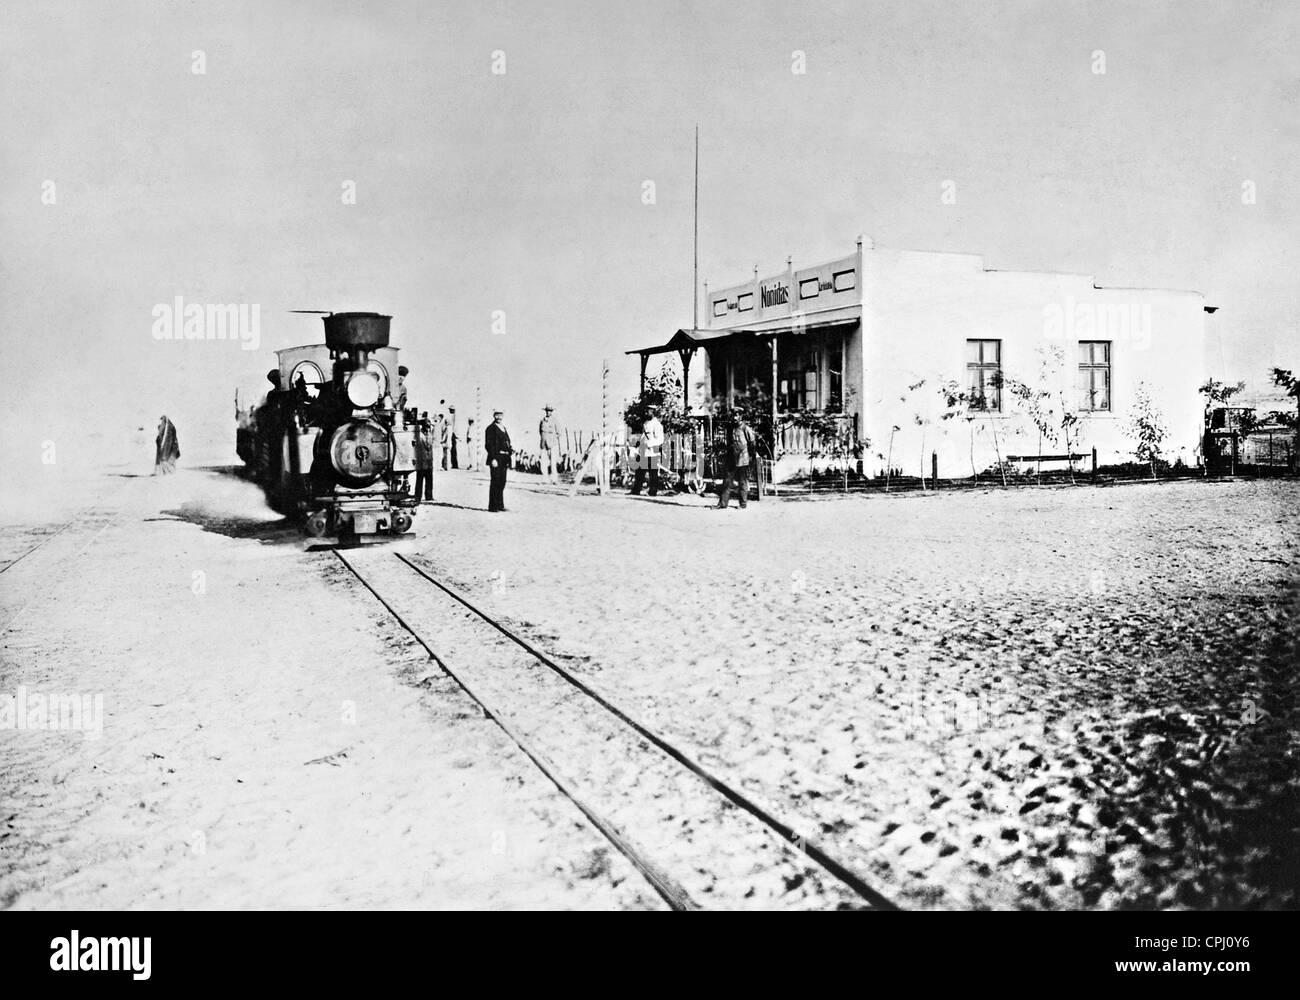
(333, 449)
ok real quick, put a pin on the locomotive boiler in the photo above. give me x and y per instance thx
(327, 443)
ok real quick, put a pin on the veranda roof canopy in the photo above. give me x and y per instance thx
(685, 340)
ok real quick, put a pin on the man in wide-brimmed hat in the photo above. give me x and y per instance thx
(548, 433)
(423, 459)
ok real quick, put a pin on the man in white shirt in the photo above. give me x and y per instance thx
(652, 439)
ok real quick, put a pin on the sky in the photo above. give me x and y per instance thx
(517, 199)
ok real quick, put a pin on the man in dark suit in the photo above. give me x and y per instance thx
(497, 443)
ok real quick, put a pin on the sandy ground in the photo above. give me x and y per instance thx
(1037, 698)
(267, 740)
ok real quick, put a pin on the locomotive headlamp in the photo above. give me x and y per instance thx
(363, 389)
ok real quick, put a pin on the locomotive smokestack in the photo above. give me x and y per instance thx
(348, 332)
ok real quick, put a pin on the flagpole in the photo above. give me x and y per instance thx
(695, 273)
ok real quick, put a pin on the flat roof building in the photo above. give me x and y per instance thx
(919, 352)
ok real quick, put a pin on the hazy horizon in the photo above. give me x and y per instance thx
(479, 192)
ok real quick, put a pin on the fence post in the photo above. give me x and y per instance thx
(934, 469)
(1094, 463)
(602, 477)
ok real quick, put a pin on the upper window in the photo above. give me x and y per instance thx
(310, 374)
(719, 307)
(1094, 375)
(842, 281)
(808, 288)
(984, 374)
(744, 303)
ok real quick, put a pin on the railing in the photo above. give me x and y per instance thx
(792, 439)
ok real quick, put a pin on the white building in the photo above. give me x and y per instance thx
(923, 352)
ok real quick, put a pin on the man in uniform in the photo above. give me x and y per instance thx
(548, 433)
(497, 443)
(455, 463)
(423, 459)
(741, 456)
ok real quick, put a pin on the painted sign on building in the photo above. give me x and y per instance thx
(823, 286)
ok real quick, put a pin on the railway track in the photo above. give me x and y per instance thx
(49, 562)
(46, 538)
(697, 839)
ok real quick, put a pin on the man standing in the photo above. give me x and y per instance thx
(423, 459)
(399, 391)
(741, 455)
(652, 439)
(454, 462)
(497, 443)
(471, 453)
(548, 433)
(442, 436)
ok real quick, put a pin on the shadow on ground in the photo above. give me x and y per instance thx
(233, 525)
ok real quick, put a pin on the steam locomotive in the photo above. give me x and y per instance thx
(331, 448)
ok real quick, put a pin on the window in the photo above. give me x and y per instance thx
(311, 376)
(800, 377)
(984, 371)
(836, 401)
(842, 281)
(809, 288)
(719, 307)
(744, 303)
(1094, 375)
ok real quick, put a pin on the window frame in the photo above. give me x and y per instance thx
(979, 372)
(1091, 367)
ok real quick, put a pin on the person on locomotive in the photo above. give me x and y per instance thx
(273, 376)
(399, 390)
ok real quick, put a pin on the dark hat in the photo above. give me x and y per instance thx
(273, 375)
(548, 408)
(403, 370)
(498, 413)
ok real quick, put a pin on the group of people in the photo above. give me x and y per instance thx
(436, 446)
(740, 455)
